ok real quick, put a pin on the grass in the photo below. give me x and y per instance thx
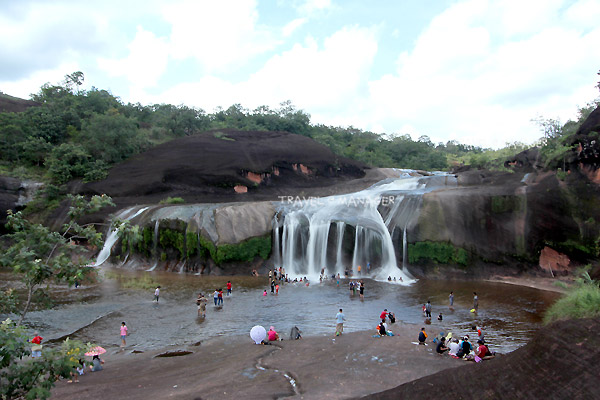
(581, 302)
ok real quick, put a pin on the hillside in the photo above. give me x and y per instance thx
(226, 165)
(14, 104)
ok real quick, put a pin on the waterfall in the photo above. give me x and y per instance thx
(404, 248)
(339, 265)
(113, 235)
(155, 245)
(373, 213)
(276, 251)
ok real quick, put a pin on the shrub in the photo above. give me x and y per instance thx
(172, 200)
(581, 302)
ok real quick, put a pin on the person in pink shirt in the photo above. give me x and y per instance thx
(276, 289)
(273, 336)
(123, 333)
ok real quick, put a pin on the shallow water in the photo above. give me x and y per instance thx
(508, 314)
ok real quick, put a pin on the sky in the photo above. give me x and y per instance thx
(474, 71)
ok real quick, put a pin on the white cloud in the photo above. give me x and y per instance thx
(292, 26)
(31, 84)
(146, 62)
(218, 34)
(314, 6)
(462, 82)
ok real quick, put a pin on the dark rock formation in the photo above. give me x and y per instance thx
(559, 363)
(209, 166)
(15, 104)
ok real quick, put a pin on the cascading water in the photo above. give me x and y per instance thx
(308, 246)
(113, 234)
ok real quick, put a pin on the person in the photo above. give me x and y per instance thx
(392, 317)
(422, 336)
(254, 272)
(440, 317)
(76, 372)
(36, 349)
(229, 288)
(216, 296)
(201, 303)
(480, 335)
(295, 333)
(273, 336)
(441, 347)
(384, 314)
(157, 293)
(272, 286)
(96, 364)
(368, 268)
(220, 297)
(359, 270)
(362, 290)
(270, 275)
(265, 292)
(465, 347)
(123, 333)
(482, 350)
(276, 289)
(451, 299)
(475, 301)
(389, 278)
(338, 279)
(339, 327)
(428, 309)
(454, 347)
(381, 328)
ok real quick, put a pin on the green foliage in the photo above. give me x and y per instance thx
(129, 234)
(68, 161)
(38, 255)
(172, 200)
(8, 302)
(244, 251)
(169, 238)
(207, 246)
(191, 244)
(23, 377)
(221, 135)
(580, 302)
(438, 252)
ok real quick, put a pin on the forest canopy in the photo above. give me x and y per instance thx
(73, 133)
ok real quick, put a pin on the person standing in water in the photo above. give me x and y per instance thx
(451, 299)
(362, 290)
(123, 333)
(201, 303)
(229, 288)
(428, 309)
(339, 327)
(157, 293)
(216, 296)
(475, 301)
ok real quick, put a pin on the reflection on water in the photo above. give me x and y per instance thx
(509, 314)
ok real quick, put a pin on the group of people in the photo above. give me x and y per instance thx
(460, 348)
(383, 328)
(357, 285)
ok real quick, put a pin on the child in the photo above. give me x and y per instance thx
(276, 289)
(228, 288)
(157, 294)
(422, 336)
(123, 333)
(265, 292)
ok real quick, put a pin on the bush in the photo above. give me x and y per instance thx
(244, 251)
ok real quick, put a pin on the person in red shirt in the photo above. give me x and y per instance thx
(228, 288)
(384, 314)
(481, 350)
(36, 349)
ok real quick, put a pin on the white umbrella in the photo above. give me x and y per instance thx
(258, 334)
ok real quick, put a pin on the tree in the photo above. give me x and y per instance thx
(23, 377)
(38, 255)
(74, 80)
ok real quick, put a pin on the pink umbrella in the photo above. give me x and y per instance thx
(96, 351)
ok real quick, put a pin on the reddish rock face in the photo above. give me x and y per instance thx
(553, 261)
(240, 189)
(254, 177)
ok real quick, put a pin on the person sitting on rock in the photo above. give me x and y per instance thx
(381, 329)
(441, 347)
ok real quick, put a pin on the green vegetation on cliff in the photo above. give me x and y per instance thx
(581, 301)
(438, 252)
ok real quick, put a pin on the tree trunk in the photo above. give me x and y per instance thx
(27, 304)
